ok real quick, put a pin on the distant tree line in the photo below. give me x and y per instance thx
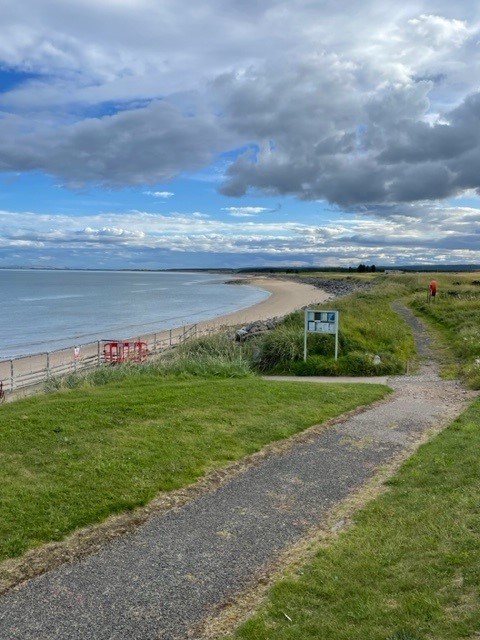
(365, 268)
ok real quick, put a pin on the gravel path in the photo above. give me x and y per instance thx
(164, 578)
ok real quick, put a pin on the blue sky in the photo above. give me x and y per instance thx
(239, 134)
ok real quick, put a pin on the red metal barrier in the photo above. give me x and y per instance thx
(117, 352)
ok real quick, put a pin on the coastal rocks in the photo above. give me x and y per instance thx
(255, 328)
(336, 287)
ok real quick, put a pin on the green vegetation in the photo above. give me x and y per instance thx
(71, 458)
(110, 441)
(455, 316)
(409, 569)
(368, 327)
(212, 356)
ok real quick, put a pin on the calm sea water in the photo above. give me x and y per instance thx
(48, 310)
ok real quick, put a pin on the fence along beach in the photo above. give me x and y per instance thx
(285, 297)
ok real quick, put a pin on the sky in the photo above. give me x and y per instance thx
(238, 133)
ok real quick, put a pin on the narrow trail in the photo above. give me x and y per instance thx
(162, 580)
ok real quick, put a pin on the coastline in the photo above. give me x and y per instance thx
(285, 297)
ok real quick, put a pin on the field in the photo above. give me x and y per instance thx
(74, 457)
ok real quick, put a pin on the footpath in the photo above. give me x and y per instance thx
(183, 565)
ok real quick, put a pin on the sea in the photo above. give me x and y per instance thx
(45, 310)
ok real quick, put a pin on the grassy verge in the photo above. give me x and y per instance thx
(72, 458)
(368, 328)
(410, 567)
(455, 316)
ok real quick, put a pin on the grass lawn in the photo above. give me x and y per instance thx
(409, 568)
(73, 458)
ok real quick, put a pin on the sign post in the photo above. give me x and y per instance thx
(321, 322)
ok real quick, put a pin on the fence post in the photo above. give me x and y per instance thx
(48, 364)
(12, 376)
(154, 343)
(170, 337)
(98, 355)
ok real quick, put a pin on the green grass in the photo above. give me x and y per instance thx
(74, 457)
(367, 327)
(409, 568)
(455, 316)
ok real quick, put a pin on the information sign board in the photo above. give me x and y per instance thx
(324, 321)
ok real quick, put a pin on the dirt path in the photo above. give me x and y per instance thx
(184, 566)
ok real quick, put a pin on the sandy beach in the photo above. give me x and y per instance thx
(285, 296)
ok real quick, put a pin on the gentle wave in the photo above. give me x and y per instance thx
(65, 296)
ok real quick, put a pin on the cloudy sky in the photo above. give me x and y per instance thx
(228, 133)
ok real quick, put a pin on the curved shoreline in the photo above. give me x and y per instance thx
(285, 297)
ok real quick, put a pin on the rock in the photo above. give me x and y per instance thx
(241, 334)
(255, 328)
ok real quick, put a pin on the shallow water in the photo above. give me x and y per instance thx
(48, 310)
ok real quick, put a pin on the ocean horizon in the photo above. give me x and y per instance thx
(50, 309)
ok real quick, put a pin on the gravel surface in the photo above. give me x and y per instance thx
(163, 579)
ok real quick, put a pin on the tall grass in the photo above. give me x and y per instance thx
(368, 327)
(212, 356)
(455, 314)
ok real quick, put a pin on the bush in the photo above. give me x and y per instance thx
(352, 364)
(278, 348)
(316, 366)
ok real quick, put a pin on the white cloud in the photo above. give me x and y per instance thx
(244, 212)
(428, 235)
(438, 31)
(160, 194)
(375, 110)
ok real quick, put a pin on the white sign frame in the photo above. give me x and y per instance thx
(321, 321)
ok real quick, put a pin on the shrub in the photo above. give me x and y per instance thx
(279, 348)
(316, 365)
(352, 364)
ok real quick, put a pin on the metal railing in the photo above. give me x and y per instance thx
(32, 370)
